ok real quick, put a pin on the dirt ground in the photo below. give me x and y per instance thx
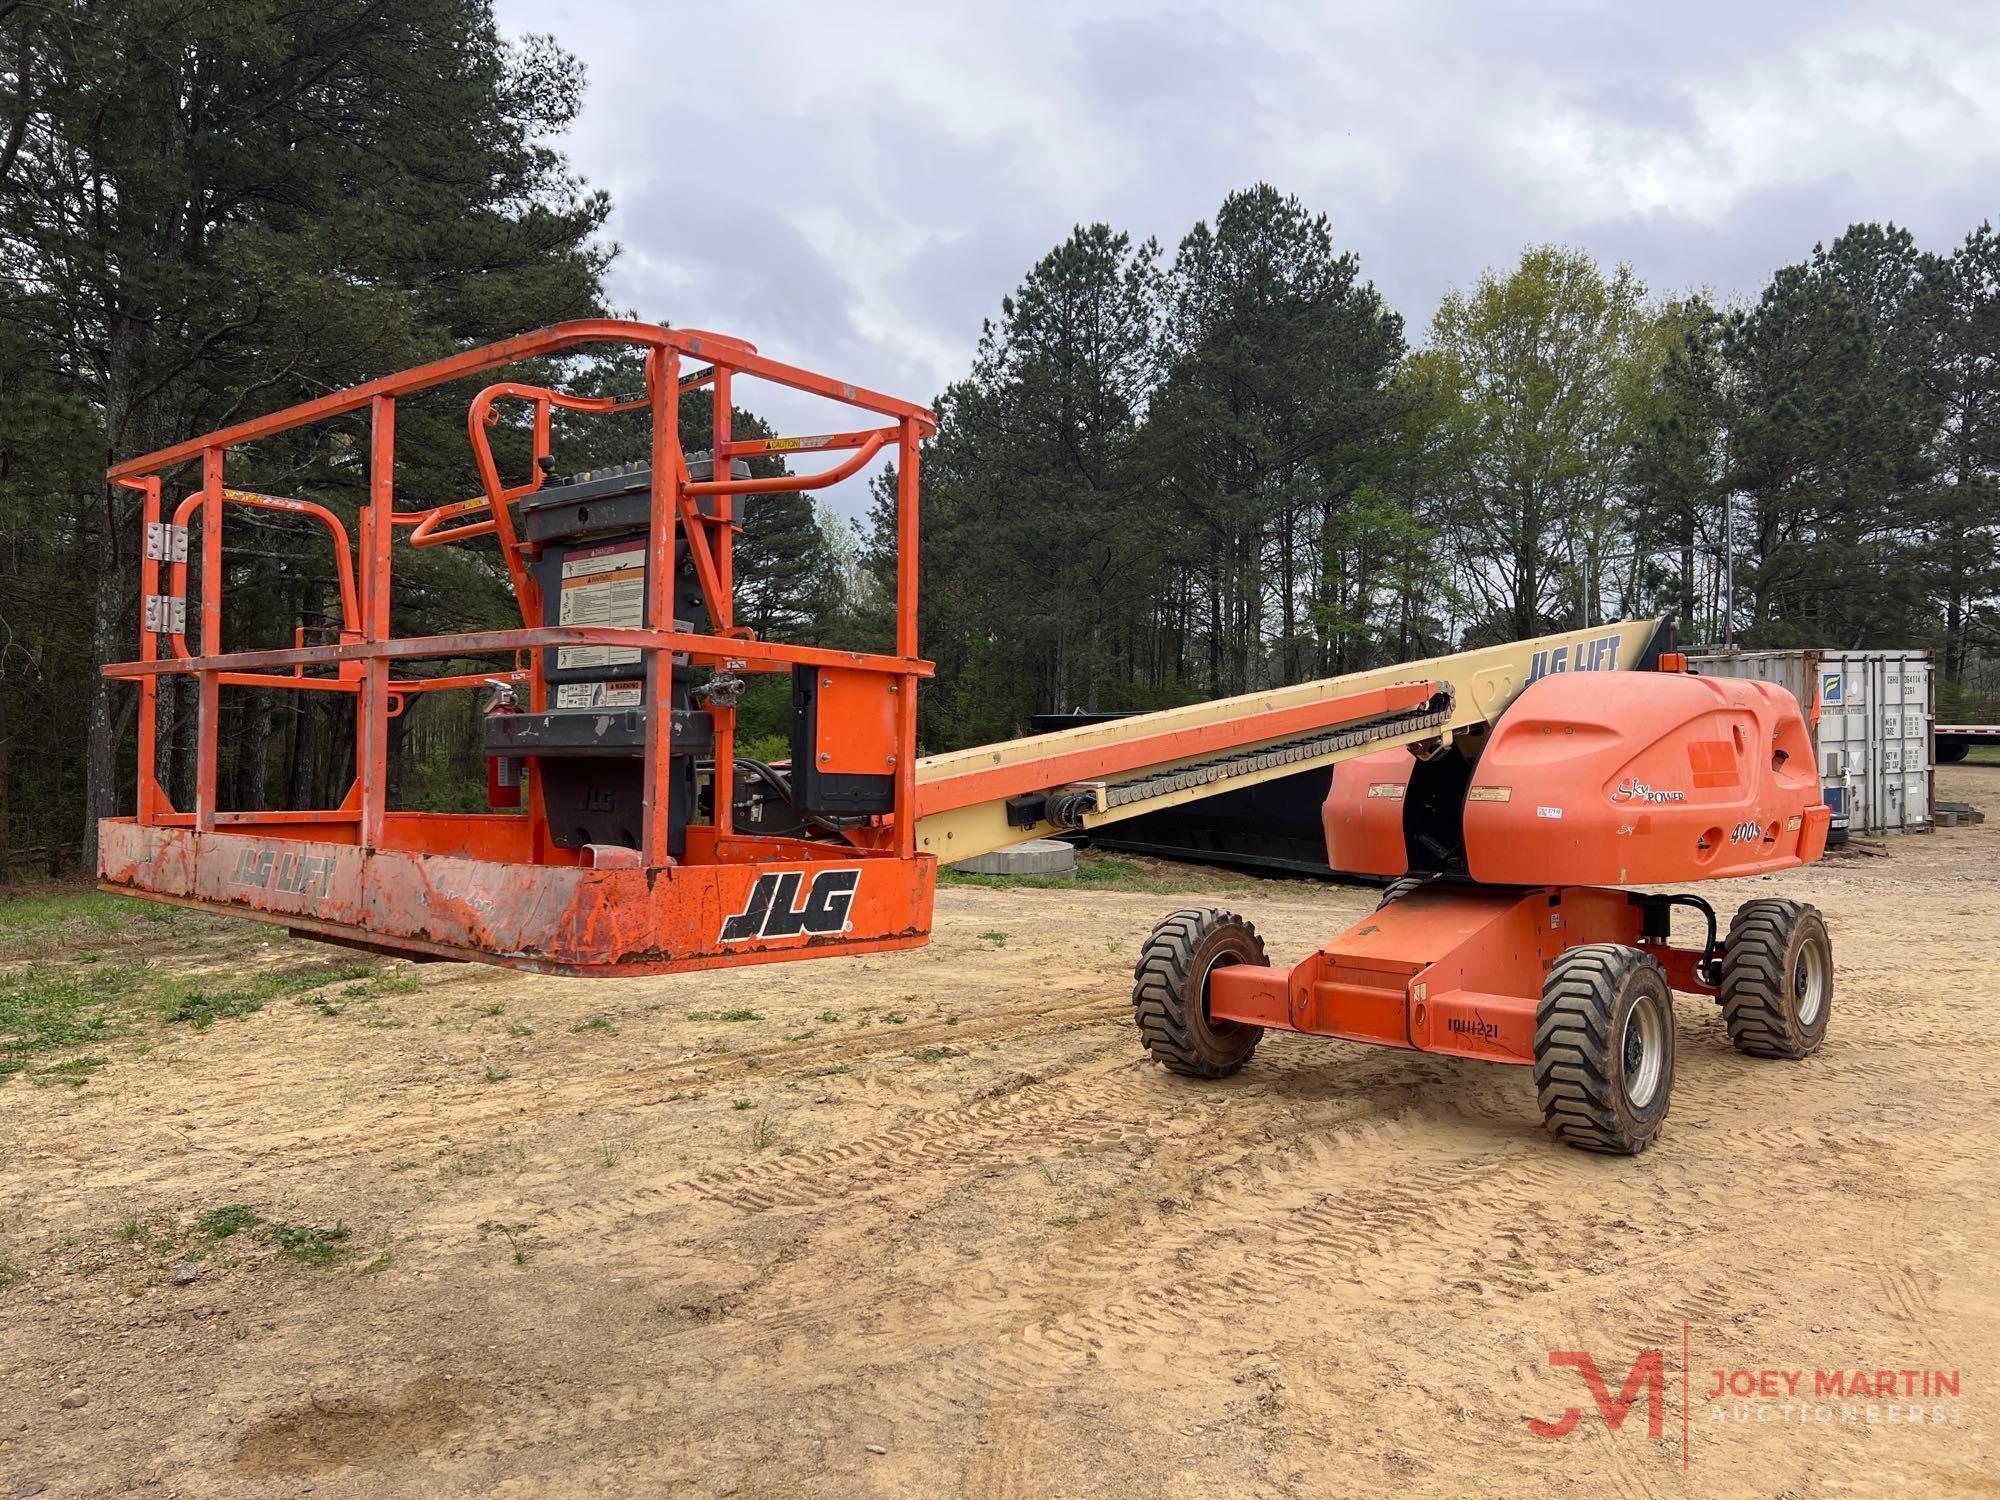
(931, 1225)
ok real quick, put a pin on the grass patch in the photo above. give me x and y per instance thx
(597, 1023)
(934, 1054)
(742, 1103)
(1107, 872)
(513, 1232)
(74, 1073)
(231, 1218)
(44, 1009)
(724, 1015)
(830, 1017)
(763, 1133)
(388, 982)
(997, 939)
(498, 1075)
(201, 1009)
(75, 910)
(516, 1028)
(309, 1244)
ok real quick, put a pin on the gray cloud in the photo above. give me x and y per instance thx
(855, 187)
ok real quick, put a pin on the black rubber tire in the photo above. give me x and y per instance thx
(1776, 956)
(1400, 887)
(1950, 752)
(1170, 992)
(1591, 1047)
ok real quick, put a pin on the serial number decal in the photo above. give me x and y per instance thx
(774, 909)
(1747, 832)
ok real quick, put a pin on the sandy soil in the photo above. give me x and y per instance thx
(966, 1240)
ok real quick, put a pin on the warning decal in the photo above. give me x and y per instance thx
(627, 694)
(602, 586)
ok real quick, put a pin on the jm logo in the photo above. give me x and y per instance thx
(1648, 1374)
(773, 910)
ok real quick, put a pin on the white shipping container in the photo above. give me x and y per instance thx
(1870, 714)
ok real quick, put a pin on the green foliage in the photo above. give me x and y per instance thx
(231, 1218)
(42, 1009)
(308, 1244)
(212, 211)
(78, 911)
(1533, 377)
(1275, 419)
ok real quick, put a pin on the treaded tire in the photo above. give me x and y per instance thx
(1170, 992)
(1777, 979)
(1400, 887)
(1604, 1048)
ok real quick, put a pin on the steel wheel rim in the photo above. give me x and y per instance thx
(1809, 982)
(1223, 960)
(1644, 1051)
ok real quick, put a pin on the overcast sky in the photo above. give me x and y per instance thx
(854, 187)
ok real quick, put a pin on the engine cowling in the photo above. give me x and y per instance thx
(1644, 778)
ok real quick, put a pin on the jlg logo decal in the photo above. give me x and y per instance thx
(294, 874)
(773, 910)
(1600, 655)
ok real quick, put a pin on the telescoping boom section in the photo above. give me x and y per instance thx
(626, 834)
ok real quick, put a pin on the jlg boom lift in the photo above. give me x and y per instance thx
(1513, 789)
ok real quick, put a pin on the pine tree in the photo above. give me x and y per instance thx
(208, 211)
(1276, 409)
(1831, 426)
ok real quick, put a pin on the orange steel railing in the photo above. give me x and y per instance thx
(361, 658)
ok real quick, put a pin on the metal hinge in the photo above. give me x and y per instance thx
(166, 542)
(167, 613)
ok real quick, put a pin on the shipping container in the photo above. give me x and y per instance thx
(1870, 714)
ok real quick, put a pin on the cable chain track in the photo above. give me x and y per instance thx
(1288, 752)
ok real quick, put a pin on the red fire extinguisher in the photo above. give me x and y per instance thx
(503, 772)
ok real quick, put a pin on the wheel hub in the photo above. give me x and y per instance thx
(1642, 1052)
(1809, 983)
